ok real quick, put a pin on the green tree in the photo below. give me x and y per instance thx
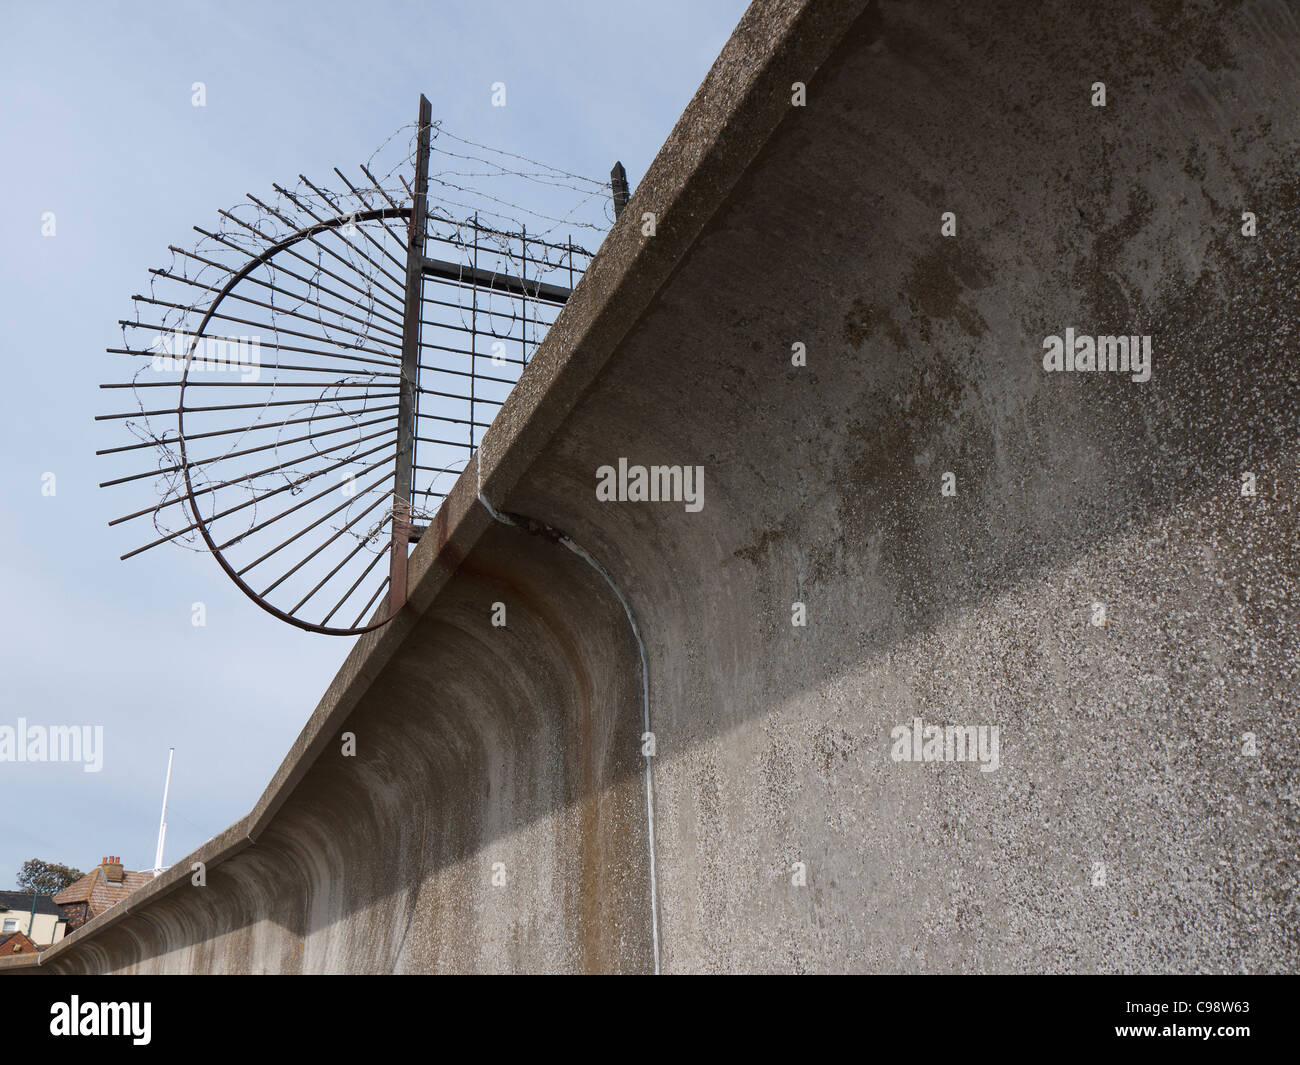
(46, 878)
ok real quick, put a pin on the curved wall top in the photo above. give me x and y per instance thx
(968, 539)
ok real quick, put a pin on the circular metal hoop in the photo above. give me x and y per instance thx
(376, 394)
(385, 456)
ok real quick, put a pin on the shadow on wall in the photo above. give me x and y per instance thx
(823, 483)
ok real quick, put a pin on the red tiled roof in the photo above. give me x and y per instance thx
(16, 943)
(100, 893)
(78, 890)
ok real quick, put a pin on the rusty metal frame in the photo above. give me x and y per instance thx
(401, 531)
(302, 234)
(404, 341)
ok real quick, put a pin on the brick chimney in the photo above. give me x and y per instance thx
(112, 866)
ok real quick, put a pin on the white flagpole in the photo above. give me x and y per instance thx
(162, 825)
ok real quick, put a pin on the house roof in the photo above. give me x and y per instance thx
(17, 943)
(78, 890)
(101, 893)
(22, 900)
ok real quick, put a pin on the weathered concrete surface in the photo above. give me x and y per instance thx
(383, 861)
(1121, 745)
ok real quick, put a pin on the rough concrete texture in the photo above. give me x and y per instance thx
(1121, 744)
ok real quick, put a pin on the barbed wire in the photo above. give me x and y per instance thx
(310, 268)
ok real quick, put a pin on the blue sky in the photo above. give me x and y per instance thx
(97, 126)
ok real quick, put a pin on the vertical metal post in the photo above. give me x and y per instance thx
(618, 184)
(162, 821)
(473, 337)
(401, 532)
(523, 286)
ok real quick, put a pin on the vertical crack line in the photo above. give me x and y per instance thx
(537, 528)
